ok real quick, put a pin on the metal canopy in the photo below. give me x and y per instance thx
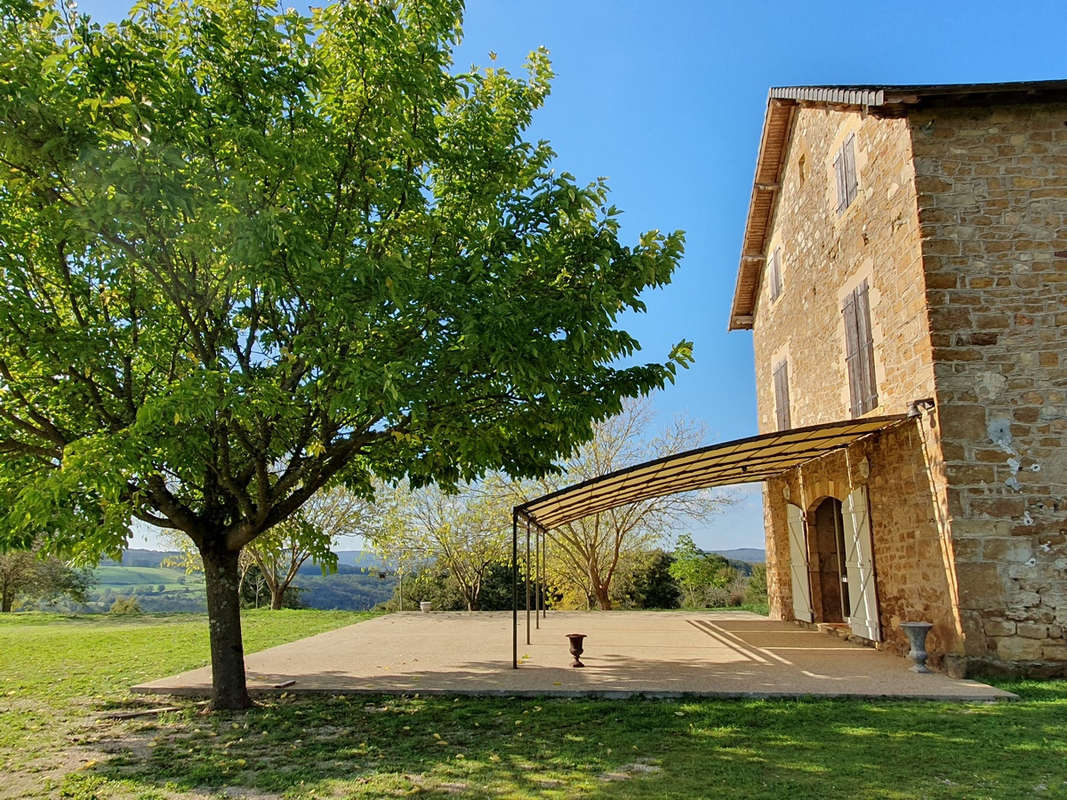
(741, 461)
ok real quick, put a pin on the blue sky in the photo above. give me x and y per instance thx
(666, 100)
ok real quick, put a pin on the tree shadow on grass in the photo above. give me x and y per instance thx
(442, 746)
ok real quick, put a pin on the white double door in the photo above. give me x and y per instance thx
(859, 565)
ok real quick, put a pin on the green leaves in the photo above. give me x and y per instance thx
(251, 253)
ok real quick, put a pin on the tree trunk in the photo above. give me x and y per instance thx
(277, 595)
(221, 578)
(602, 598)
(7, 601)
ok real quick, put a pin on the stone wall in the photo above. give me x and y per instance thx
(825, 255)
(914, 574)
(992, 204)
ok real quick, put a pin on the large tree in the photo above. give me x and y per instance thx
(248, 253)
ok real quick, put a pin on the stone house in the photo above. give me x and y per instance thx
(905, 253)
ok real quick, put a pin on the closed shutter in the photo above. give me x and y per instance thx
(859, 351)
(859, 565)
(848, 157)
(842, 192)
(781, 395)
(868, 384)
(852, 355)
(798, 563)
(776, 273)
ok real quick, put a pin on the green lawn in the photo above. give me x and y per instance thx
(59, 675)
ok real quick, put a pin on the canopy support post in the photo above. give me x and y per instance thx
(514, 589)
(537, 577)
(527, 580)
(544, 571)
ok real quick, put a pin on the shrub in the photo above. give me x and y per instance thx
(125, 605)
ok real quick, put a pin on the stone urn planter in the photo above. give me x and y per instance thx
(576, 647)
(425, 606)
(916, 632)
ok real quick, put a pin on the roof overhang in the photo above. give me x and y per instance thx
(756, 458)
(777, 126)
(782, 102)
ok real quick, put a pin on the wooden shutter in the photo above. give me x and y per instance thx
(859, 565)
(865, 339)
(852, 355)
(848, 157)
(781, 395)
(859, 351)
(776, 273)
(798, 562)
(839, 172)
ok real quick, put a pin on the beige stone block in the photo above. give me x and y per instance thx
(1054, 651)
(1031, 630)
(1001, 507)
(980, 586)
(1016, 648)
(1014, 549)
(999, 627)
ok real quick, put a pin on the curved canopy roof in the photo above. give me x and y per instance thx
(741, 461)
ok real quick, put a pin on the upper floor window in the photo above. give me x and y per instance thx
(781, 395)
(859, 351)
(845, 170)
(776, 273)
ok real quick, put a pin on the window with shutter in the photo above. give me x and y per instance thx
(839, 172)
(845, 171)
(776, 273)
(866, 340)
(859, 351)
(781, 395)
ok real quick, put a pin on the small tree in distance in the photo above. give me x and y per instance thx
(697, 571)
(29, 577)
(311, 533)
(466, 532)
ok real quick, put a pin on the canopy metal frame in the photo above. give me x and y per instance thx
(749, 460)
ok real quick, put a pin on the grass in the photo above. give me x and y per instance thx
(58, 674)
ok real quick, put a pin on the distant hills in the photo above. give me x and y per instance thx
(366, 560)
(753, 555)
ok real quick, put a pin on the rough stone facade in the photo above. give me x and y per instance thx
(824, 255)
(992, 200)
(960, 228)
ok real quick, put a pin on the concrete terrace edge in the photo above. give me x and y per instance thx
(606, 694)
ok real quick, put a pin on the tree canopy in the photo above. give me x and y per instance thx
(248, 253)
(27, 578)
(467, 532)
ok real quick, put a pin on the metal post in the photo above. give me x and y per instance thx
(527, 580)
(537, 581)
(514, 590)
(544, 561)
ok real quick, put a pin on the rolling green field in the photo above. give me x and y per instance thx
(126, 577)
(61, 676)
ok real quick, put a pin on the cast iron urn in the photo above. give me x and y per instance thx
(576, 647)
(917, 639)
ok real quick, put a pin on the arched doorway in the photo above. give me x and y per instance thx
(829, 578)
